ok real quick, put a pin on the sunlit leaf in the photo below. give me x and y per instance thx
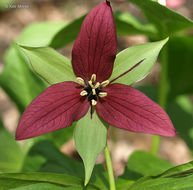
(166, 21)
(20, 83)
(178, 178)
(90, 139)
(127, 24)
(14, 180)
(146, 53)
(35, 35)
(49, 64)
(141, 164)
(11, 155)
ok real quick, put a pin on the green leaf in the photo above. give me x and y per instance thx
(21, 84)
(45, 157)
(180, 67)
(59, 34)
(90, 139)
(177, 178)
(141, 164)
(129, 57)
(145, 163)
(35, 35)
(180, 112)
(128, 24)
(44, 186)
(49, 64)
(67, 34)
(166, 21)
(11, 156)
(4, 4)
(14, 180)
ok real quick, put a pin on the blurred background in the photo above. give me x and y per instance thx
(12, 22)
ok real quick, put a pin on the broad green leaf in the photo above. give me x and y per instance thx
(21, 84)
(123, 184)
(180, 65)
(45, 157)
(166, 21)
(49, 64)
(180, 111)
(177, 178)
(9, 181)
(128, 24)
(145, 163)
(44, 186)
(35, 35)
(67, 34)
(141, 164)
(90, 139)
(11, 156)
(129, 57)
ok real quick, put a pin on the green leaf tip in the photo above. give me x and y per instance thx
(129, 57)
(49, 64)
(85, 131)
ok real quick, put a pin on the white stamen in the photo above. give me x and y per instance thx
(93, 102)
(102, 94)
(83, 93)
(104, 83)
(93, 91)
(90, 83)
(80, 81)
(96, 85)
(93, 78)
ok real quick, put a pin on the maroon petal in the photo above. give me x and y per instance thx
(57, 107)
(95, 48)
(129, 109)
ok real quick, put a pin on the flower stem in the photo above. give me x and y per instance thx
(109, 169)
(163, 93)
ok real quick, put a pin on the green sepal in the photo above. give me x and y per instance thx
(128, 58)
(49, 64)
(90, 139)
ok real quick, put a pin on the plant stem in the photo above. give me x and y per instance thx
(109, 169)
(155, 144)
(163, 93)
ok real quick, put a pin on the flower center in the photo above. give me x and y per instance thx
(92, 89)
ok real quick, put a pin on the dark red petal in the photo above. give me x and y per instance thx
(129, 109)
(57, 107)
(95, 48)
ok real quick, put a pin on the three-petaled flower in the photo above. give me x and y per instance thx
(117, 104)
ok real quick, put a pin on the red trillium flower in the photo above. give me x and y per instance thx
(118, 105)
